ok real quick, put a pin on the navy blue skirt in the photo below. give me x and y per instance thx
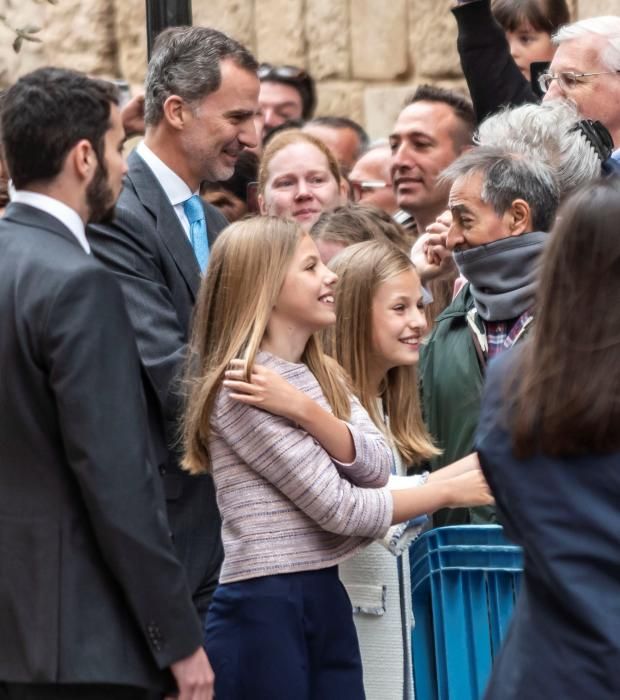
(284, 637)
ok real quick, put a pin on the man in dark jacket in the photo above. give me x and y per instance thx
(93, 602)
(502, 204)
(201, 99)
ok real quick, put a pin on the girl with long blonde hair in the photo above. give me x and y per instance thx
(300, 470)
(380, 323)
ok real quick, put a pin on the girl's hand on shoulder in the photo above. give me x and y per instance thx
(266, 390)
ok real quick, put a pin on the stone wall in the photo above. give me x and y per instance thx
(367, 55)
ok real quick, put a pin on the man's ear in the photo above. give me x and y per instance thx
(520, 217)
(83, 159)
(345, 191)
(174, 112)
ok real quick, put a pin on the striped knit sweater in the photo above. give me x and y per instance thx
(286, 505)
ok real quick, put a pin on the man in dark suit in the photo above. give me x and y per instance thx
(93, 602)
(201, 99)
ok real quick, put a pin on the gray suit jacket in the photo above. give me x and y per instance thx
(148, 250)
(90, 588)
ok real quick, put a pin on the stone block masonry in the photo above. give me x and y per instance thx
(366, 55)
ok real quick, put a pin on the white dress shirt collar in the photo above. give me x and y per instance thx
(54, 207)
(175, 188)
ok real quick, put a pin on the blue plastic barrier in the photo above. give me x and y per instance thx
(464, 581)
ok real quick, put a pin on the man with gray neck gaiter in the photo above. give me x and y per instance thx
(502, 205)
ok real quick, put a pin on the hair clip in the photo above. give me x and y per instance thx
(598, 137)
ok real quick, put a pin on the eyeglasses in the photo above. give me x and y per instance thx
(568, 80)
(268, 71)
(358, 187)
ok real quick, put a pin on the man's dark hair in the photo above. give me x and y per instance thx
(288, 124)
(45, 113)
(508, 176)
(186, 62)
(344, 123)
(296, 78)
(460, 105)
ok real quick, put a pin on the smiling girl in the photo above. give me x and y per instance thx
(299, 469)
(380, 325)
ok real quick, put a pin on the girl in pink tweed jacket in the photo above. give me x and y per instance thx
(300, 470)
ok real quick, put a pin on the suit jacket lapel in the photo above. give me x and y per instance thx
(26, 215)
(169, 228)
(213, 226)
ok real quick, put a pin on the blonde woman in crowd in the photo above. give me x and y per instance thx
(299, 468)
(299, 178)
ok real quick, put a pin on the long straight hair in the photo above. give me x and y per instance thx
(361, 269)
(247, 267)
(564, 391)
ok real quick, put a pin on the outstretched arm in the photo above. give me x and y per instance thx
(468, 489)
(492, 75)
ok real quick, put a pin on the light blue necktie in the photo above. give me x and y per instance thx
(197, 229)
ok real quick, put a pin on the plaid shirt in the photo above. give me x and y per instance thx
(502, 335)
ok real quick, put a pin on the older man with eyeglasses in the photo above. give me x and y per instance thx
(586, 71)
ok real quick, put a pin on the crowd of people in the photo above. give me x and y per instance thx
(245, 368)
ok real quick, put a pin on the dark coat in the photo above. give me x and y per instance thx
(148, 250)
(493, 79)
(564, 640)
(451, 379)
(90, 589)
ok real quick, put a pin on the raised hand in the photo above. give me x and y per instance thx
(429, 254)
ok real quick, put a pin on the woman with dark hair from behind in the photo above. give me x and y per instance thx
(498, 40)
(549, 443)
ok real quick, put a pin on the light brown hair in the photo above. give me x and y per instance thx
(287, 138)
(361, 269)
(564, 395)
(247, 266)
(356, 223)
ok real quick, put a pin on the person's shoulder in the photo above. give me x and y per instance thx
(492, 430)
(499, 386)
(48, 251)
(86, 277)
(503, 365)
(460, 305)
(453, 319)
(216, 221)
(133, 223)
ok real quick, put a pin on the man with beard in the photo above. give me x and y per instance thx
(200, 102)
(93, 602)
